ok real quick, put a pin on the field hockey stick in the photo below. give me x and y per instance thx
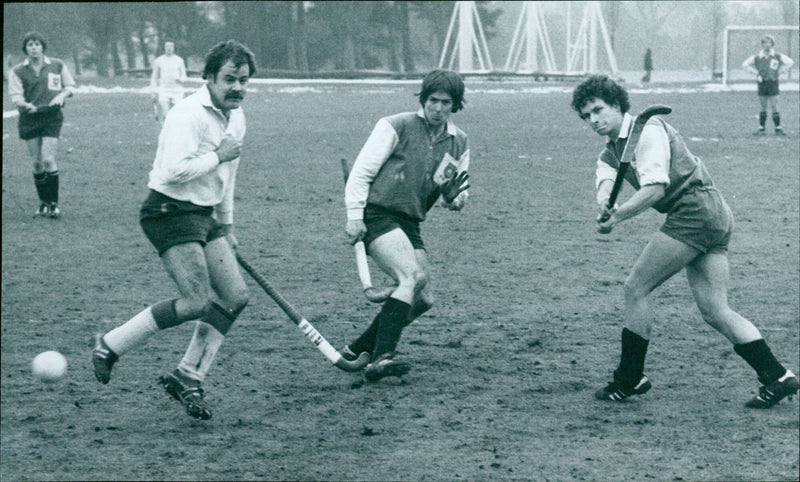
(627, 153)
(307, 328)
(373, 294)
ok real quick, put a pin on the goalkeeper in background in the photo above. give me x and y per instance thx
(768, 65)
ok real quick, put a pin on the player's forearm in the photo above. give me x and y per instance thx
(642, 200)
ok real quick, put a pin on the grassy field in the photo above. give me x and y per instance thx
(525, 329)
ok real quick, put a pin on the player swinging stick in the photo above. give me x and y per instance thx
(694, 237)
(407, 163)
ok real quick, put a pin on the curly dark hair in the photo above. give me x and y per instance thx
(33, 36)
(236, 52)
(446, 81)
(600, 87)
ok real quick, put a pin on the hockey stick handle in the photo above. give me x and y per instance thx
(307, 328)
(612, 199)
(372, 294)
(628, 151)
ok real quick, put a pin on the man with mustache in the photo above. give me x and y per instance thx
(408, 162)
(694, 238)
(188, 217)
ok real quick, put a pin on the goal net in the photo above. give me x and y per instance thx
(741, 41)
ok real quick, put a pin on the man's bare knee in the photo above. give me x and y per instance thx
(420, 279)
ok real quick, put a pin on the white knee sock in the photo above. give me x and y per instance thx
(131, 333)
(201, 351)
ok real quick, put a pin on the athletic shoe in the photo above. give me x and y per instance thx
(103, 360)
(385, 366)
(55, 213)
(617, 392)
(349, 354)
(190, 397)
(760, 132)
(43, 210)
(779, 131)
(769, 395)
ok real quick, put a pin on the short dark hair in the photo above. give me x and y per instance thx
(447, 81)
(600, 87)
(231, 50)
(33, 36)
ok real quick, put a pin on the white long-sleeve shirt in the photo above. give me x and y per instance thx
(168, 72)
(186, 167)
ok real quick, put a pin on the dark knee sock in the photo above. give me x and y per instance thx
(762, 119)
(631, 363)
(51, 186)
(417, 310)
(39, 180)
(366, 342)
(758, 355)
(776, 119)
(392, 319)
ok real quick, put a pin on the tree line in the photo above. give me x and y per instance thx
(285, 35)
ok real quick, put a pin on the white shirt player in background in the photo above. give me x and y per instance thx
(169, 73)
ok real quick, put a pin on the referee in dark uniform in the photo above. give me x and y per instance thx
(39, 87)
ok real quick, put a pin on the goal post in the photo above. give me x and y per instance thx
(741, 41)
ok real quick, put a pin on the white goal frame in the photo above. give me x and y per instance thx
(760, 28)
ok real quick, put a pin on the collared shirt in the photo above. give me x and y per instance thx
(25, 85)
(660, 157)
(167, 71)
(186, 167)
(768, 63)
(400, 168)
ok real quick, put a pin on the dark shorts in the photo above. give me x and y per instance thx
(168, 222)
(702, 219)
(40, 124)
(380, 221)
(768, 88)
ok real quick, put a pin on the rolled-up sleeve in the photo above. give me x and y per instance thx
(373, 154)
(652, 155)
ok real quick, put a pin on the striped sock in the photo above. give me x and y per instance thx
(132, 333)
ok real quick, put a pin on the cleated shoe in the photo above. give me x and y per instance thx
(769, 395)
(43, 210)
(779, 131)
(190, 397)
(617, 392)
(55, 213)
(103, 360)
(349, 354)
(760, 132)
(385, 366)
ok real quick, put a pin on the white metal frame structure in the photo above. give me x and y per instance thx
(530, 33)
(733, 28)
(585, 46)
(467, 45)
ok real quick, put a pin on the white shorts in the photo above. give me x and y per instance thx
(170, 95)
